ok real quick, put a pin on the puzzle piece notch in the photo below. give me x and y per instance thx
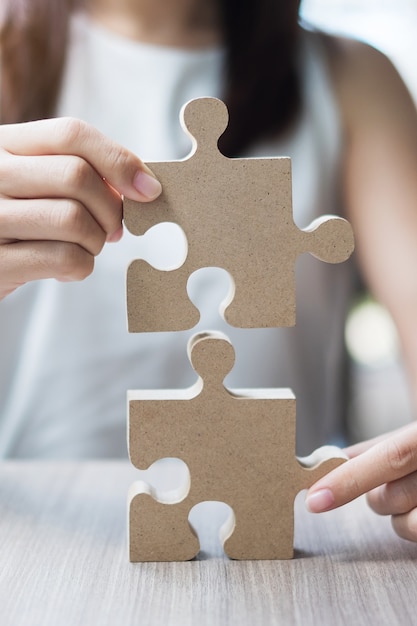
(237, 215)
(164, 246)
(239, 448)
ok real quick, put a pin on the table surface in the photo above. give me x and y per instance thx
(63, 538)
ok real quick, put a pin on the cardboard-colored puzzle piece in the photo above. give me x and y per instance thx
(236, 215)
(239, 446)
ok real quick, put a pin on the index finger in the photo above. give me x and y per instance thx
(122, 169)
(390, 459)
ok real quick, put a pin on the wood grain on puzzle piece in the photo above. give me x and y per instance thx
(239, 446)
(236, 215)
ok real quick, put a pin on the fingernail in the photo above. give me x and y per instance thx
(147, 185)
(320, 501)
(116, 236)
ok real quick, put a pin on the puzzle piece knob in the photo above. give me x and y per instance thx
(332, 239)
(205, 119)
(212, 356)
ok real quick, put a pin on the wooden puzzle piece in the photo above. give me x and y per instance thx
(237, 215)
(239, 448)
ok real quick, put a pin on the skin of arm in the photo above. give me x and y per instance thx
(380, 190)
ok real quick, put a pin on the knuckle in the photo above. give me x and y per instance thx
(77, 173)
(396, 497)
(72, 262)
(72, 216)
(399, 458)
(405, 525)
(119, 159)
(76, 222)
(401, 494)
(70, 130)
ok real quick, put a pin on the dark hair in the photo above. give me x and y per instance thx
(33, 42)
(261, 90)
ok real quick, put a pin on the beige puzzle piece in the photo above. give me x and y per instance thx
(239, 446)
(236, 215)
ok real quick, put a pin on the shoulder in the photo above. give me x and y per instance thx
(349, 53)
(355, 64)
(368, 87)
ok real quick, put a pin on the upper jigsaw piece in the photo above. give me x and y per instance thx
(236, 215)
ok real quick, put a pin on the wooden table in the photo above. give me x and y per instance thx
(64, 562)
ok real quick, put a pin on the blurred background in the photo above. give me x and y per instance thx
(381, 398)
(389, 25)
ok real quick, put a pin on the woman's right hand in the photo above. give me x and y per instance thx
(61, 187)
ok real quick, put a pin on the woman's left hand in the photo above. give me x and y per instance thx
(385, 468)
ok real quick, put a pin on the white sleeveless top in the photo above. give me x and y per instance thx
(67, 359)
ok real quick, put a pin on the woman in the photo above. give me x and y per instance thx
(125, 67)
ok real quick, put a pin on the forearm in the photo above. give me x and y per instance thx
(380, 180)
